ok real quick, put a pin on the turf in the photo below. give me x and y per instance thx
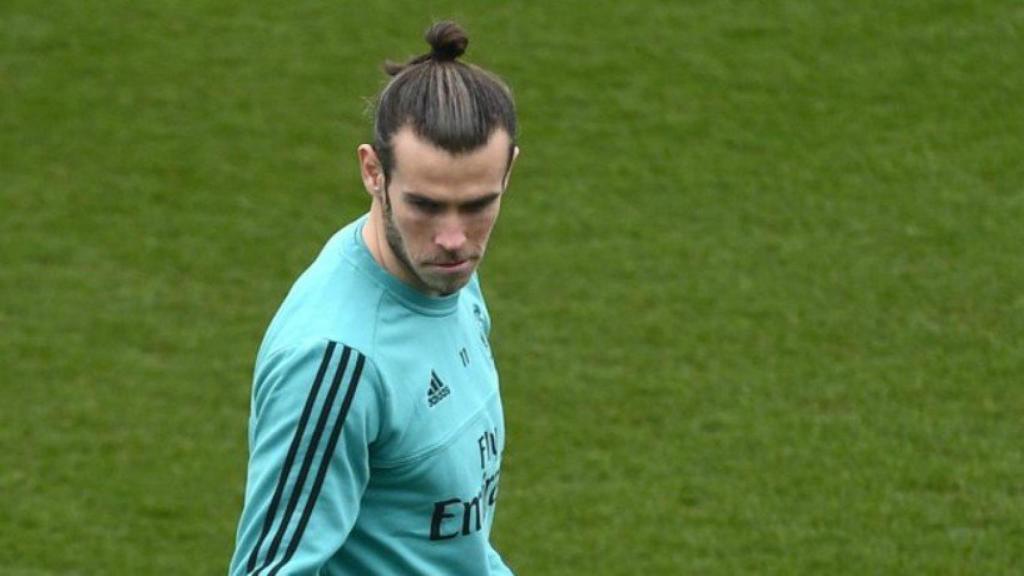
(756, 287)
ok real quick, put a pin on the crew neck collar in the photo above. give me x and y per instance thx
(410, 297)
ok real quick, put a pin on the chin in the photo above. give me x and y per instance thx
(450, 287)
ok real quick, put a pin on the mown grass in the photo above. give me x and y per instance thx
(756, 288)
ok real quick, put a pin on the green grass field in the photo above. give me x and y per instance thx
(758, 287)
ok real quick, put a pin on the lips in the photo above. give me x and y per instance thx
(457, 266)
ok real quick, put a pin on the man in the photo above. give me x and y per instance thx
(376, 432)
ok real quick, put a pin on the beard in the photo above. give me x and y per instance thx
(442, 286)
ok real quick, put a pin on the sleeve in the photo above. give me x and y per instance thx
(496, 565)
(316, 411)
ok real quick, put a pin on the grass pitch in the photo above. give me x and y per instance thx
(756, 288)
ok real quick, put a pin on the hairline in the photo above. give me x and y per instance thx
(512, 146)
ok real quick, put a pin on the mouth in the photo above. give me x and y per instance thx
(454, 267)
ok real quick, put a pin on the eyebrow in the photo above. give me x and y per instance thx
(477, 201)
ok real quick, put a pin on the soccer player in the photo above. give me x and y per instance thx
(376, 432)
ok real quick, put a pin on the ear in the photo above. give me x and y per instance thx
(511, 163)
(370, 170)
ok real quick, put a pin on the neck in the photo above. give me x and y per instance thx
(373, 237)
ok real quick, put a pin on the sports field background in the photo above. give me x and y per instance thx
(758, 285)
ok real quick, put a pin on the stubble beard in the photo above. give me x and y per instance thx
(397, 245)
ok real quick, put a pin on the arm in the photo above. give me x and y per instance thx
(315, 413)
(496, 564)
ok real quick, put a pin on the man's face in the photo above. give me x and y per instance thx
(439, 209)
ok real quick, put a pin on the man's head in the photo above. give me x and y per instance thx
(444, 145)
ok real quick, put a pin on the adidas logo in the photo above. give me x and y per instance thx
(437, 391)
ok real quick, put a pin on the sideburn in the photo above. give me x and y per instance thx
(394, 239)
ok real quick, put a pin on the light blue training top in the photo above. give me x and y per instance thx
(376, 431)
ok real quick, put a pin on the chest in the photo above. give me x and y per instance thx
(441, 465)
(444, 391)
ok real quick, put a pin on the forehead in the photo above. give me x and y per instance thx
(423, 167)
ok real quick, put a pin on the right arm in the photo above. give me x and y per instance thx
(315, 412)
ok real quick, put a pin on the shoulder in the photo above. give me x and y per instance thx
(313, 374)
(309, 363)
(475, 301)
(332, 300)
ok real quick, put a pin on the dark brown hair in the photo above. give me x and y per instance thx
(452, 105)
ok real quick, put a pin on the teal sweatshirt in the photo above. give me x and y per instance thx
(376, 428)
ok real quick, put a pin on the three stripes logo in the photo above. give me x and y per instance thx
(309, 455)
(437, 390)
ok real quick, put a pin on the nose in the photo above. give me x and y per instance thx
(451, 237)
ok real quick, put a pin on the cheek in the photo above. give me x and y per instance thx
(413, 228)
(479, 228)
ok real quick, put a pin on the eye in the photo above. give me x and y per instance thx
(425, 205)
(480, 205)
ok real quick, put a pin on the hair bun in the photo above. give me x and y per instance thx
(447, 41)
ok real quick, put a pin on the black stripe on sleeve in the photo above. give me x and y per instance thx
(325, 462)
(307, 462)
(268, 521)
